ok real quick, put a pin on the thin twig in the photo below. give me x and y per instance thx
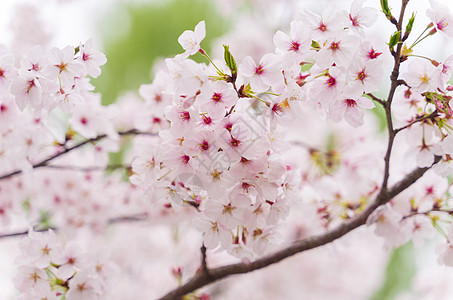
(388, 105)
(426, 213)
(417, 120)
(115, 220)
(374, 98)
(87, 169)
(44, 163)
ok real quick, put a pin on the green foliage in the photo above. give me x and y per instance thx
(409, 25)
(152, 31)
(399, 273)
(387, 10)
(394, 39)
(230, 61)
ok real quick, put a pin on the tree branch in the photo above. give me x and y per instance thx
(209, 276)
(87, 169)
(417, 120)
(374, 98)
(44, 163)
(204, 266)
(388, 104)
(115, 220)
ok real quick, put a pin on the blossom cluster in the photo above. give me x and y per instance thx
(225, 148)
(54, 270)
(252, 150)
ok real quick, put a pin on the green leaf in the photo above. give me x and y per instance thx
(229, 60)
(386, 9)
(409, 25)
(394, 39)
(315, 45)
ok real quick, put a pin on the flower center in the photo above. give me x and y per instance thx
(294, 46)
(217, 97)
(350, 103)
(259, 70)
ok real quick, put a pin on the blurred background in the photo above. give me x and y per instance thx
(137, 34)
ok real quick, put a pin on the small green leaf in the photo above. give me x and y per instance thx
(315, 45)
(386, 9)
(229, 60)
(394, 39)
(409, 25)
(248, 89)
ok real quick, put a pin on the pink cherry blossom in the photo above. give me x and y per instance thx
(63, 65)
(441, 17)
(294, 47)
(264, 75)
(323, 26)
(91, 58)
(191, 40)
(217, 99)
(360, 17)
(421, 77)
(351, 109)
(84, 286)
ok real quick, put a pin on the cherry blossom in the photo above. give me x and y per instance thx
(238, 157)
(191, 40)
(262, 76)
(91, 58)
(441, 16)
(421, 77)
(360, 16)
(351, 108)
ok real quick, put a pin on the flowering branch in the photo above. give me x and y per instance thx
(417, 120)
(394, 84)
(44, 163)
(209, 276)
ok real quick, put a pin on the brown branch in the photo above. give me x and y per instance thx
(44, 163)
(87, 169)
(23, 232)
(115, 220)
(204, 266)
(388, 110)
(374, 98)
(209, 276)
(426, 213)
(417, 120)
